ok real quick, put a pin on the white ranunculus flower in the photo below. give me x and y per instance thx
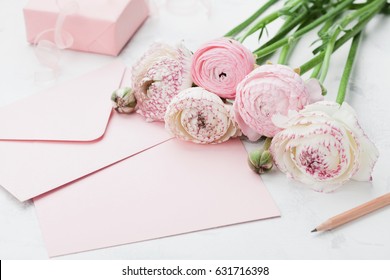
(200, 116)
(323, 146)
(161, 73)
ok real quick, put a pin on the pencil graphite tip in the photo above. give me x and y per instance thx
(314, 230)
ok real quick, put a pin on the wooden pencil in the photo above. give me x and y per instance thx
(354, 213)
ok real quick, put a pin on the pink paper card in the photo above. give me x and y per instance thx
(173, 188)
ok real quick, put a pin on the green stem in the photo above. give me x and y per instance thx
(284, 54)
(348, 35)
(325, 28)
(262, 23)
(238, 29)
(334, 33)
(316, 71)
(338, 9)
(372, 8)
(386, 9)
(289, 25)
(267, 143)
(326, 61)
(311, 63)
(322, 34)
(348, 69)
(305, 16)
(287, 49)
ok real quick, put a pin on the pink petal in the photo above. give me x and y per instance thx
(313, 86)
(246, 130)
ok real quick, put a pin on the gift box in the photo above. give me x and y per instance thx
(98, 26)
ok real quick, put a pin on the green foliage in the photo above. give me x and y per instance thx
(336, 21)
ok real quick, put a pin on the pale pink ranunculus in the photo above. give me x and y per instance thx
(323, 146)
(219, 65)
(270, 90)
(200, 116)
(161, 73)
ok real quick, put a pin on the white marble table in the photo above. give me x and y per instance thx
(302, 209)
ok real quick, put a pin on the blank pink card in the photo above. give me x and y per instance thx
(173, 188)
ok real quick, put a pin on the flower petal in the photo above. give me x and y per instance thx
(219, 65)
(266, 91)
(159, 76)
(323, 146)
(246, 129)
(199, 116)
(368, 156)
(315, 90)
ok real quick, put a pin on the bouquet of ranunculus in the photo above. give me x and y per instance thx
(224, 90)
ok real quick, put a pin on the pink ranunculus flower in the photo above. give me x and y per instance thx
(269, 90)
(220, 65)
(323, 146)
(158, 76)
(200, 116)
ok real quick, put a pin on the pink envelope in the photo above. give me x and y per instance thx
(69, 131)
(173, 188)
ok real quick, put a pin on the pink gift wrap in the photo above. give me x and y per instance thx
(99, 26)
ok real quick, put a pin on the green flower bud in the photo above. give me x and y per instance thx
(260, 161)
(124, 100)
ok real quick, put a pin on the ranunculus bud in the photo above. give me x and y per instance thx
(124, 100)
(260, 161)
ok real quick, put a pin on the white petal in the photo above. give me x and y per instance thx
(327, 107)
(347, 115)
(368, 153)
(193, 105)
(282, 121)
(185, 58)
(368, 156)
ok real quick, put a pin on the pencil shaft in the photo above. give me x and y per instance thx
(355, 213)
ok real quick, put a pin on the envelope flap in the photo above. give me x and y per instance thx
(77, 110)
